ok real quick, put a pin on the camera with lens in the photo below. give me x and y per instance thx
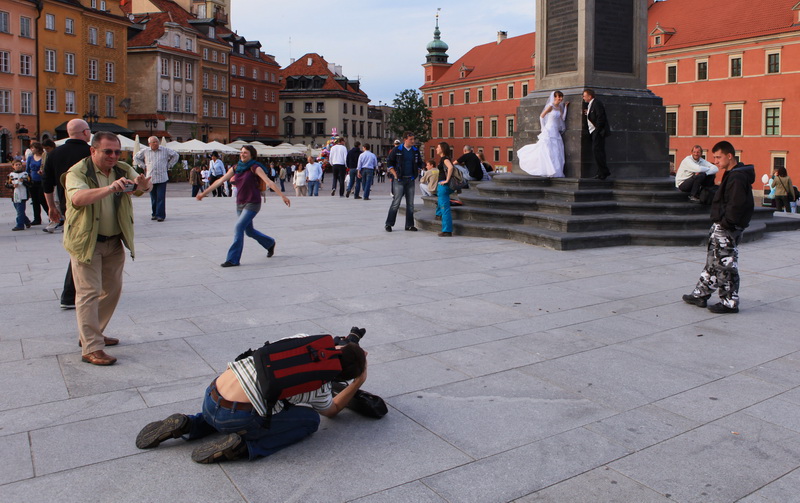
(129, 187)
(355, 336)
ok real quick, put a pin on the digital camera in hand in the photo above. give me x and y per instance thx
(129, 187)
(355, 336)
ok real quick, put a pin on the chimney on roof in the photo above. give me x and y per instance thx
(501, 35)
(292, 60)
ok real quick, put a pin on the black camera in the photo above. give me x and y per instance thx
(129, 187)
(355, 336)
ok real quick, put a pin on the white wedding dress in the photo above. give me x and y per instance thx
(546, 157)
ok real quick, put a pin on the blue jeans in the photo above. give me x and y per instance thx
(22, 218)
(443, 207)
(286, 428)
(354, 180)
(400, 188)
(158, 200)
(244, 226)
(366, 178)
(313, 187)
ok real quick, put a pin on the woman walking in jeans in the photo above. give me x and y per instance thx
(248, 203)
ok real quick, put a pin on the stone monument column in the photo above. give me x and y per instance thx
(601, 44)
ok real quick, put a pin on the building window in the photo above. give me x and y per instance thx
(320, 107)
(93, 103)
(430, 101)
(511, 92)
(233, 69)
(255, 74)
(344, 108)
(205, 108)
(288, 107)
(701, 122)
(233, 118)
(778, 160)
(241, 95)
(672, 74)
(440, 129)
(214, 109)
(223, 58)
(109, 39)
(224, 85)
(321, 129)
(176, 69)
(307, 107)
(494, 94)
(524, 89)
(5, 62)
(702, 70)
(103, 5)
(510, 126)
(205, 53)
(241, 71)
(190, 45)
(50, 100)
(69, 63)
(164, 102)
(510, 155)
(479, 128)
(496, 155)
(480, 95)
(93, 35)
(241, 118)
(164, 67)
(452, 98)
(772, 121)
(451, 129)
(110, 72)
(214, 56)
(255, 94)
(773, 62)
(5, 101)
(466, 96)
(25, 103)
(233, 90)
(4, 25)
(176, 103)
(92, 69)
(736, 66)
(734, 122)
(466, 128)
(25, 27)
(49, 60)
(215, 82)
(49, 22)
(110, 106)
(672, 122)
(190, 72)
(69, 26)
(493, 127)
(176, 40)
(188, 104)
(439, 100)
(25, 66)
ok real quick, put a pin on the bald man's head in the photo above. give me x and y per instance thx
(78, 129)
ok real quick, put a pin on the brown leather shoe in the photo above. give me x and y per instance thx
(110, 341)
(99, 357)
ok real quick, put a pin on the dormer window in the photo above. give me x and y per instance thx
(657, 40)
(212, 32)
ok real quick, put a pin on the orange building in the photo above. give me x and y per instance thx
(17, 76)
(729, 72)
(82, 65)
(474, 100)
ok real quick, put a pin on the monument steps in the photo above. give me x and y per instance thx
(569, 214)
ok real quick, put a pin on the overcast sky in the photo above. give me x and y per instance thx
(382, 43)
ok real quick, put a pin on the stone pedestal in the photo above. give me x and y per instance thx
(601, 44)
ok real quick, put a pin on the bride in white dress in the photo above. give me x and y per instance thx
(546, 157)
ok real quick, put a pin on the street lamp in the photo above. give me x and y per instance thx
(206, 129)
(91, 118)
(151, 124)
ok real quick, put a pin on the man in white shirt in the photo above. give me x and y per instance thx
(338, 159)
(156, 162)
(314, 170)
(694, 173)
(367, 162)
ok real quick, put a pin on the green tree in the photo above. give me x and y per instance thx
(411, 114)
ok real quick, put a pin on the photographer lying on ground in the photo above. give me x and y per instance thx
(270, 398)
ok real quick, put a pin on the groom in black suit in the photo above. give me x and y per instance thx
(595, 114)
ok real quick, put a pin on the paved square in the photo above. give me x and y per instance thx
(512, 372)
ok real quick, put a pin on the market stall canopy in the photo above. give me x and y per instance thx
(127, 144)
(223, 149)
(190, 147)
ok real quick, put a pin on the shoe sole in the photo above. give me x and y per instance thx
(216, 449)
(155, 433)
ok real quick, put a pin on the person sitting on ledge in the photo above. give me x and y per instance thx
(694, 174)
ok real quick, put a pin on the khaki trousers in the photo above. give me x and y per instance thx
(97, 290)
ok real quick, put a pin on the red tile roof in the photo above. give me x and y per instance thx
(319, 67)
(512, 55)
(708, 22)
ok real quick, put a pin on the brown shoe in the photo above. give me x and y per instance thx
(99, 357)
(110, 341)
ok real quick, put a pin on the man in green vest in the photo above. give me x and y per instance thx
(99, 220)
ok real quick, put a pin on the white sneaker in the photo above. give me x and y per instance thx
(51, 227)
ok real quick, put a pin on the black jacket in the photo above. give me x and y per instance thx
(597, 116)
(352, 158)
(733, 205)
(60, 160)
(473, 164)
(395, 160)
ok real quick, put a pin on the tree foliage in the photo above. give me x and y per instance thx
(411, 114)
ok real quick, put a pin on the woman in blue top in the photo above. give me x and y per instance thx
(35, 172)
(248, 202)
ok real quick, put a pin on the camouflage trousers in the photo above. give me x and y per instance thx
(722, 267)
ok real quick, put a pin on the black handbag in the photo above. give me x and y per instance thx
(364, 403)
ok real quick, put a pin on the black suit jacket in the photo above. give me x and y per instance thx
(597, 115)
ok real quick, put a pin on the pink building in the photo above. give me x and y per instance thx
(18, 120)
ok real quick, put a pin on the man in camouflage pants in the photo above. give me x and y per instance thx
(731, 211)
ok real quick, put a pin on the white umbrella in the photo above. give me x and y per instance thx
(136, 145)
(126, 143)
(190, 147)
(163, 140)
(238, 144)
(222, 148)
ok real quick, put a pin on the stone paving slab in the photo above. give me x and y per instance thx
(512, 372)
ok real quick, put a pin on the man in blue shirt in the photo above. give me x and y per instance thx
(405, 162)
(367, 162)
